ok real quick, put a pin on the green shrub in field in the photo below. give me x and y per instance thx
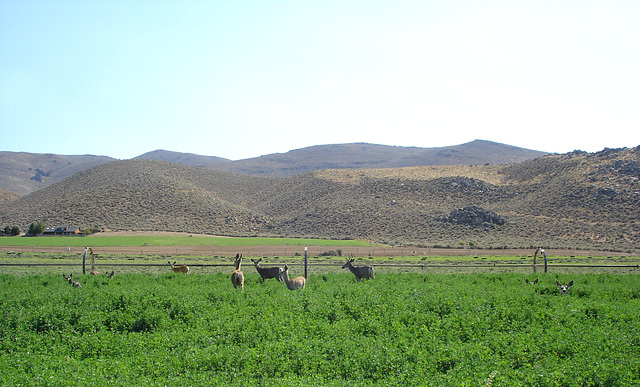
(416, 329)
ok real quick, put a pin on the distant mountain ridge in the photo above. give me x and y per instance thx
(23, 173)
(577, 200)
(358, 156)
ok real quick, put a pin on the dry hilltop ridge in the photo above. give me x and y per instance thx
(574, 200)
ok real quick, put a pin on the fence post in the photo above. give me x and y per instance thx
(534, 260)
(306, 263)
(84, 255)
(545, 260)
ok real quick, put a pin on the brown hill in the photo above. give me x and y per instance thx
(576, 200)
(7, 196)
(362, 155)
(183, 158)
(24, 173)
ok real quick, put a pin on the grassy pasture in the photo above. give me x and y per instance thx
(163, 239)
(410, 329)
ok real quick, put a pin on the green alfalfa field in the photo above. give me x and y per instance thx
(398, 329)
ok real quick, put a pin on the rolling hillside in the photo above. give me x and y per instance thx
(575, 200)
(24, 173)
(362, 155)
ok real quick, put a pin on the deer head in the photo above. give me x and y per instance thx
(531, 282)
(564, 288)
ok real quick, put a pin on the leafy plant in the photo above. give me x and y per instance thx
(416, 329)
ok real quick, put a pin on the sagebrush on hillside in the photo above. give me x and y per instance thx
(575, 200)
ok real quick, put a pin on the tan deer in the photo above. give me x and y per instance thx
(179, 269)
(293, 284)
(359, 271)
(564, 288)
(268, 272)
(237, 278)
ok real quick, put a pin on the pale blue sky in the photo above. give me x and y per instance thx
(240, 79)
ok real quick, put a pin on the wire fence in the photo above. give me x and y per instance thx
(321, 267)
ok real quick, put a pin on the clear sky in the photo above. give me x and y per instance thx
(240, 79)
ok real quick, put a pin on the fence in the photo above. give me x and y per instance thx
(319, 267)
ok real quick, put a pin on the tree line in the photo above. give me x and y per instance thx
(34, 229)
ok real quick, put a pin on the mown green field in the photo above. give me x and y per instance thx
(399, 329)
(151, 239)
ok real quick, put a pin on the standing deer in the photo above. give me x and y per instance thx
(292, 284)
(268, 272)
(237, 278)
(359, 271)
(179, 269)
(564, 288)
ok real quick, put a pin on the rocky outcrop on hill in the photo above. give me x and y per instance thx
(475, 216)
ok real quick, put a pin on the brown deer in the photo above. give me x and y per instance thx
(359, 271)
(268, 272)
(535, 281)
(72, 282)
(237, 278)
(293, 284)
(179, 269)
(564, 288)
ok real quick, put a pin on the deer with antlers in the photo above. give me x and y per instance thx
(237, 278)
(359, 271)
(179, 269)
(268, 272)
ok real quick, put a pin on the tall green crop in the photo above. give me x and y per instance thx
(174, 329)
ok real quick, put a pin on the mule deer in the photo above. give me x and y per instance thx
(72, 282)
(268, 272)
(179, 269)
(110, 275)
(564, 288)
(237, 278)
(359, 271)
(293, 284)
(535, 281)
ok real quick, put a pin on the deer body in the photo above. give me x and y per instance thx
(179, 269)
(295, 283)
(268, 272)
(237, 278)
(359, 271)
(72, 282)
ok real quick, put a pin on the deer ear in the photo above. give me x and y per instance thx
(570, 284)
(558, 284)
(535, 281)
